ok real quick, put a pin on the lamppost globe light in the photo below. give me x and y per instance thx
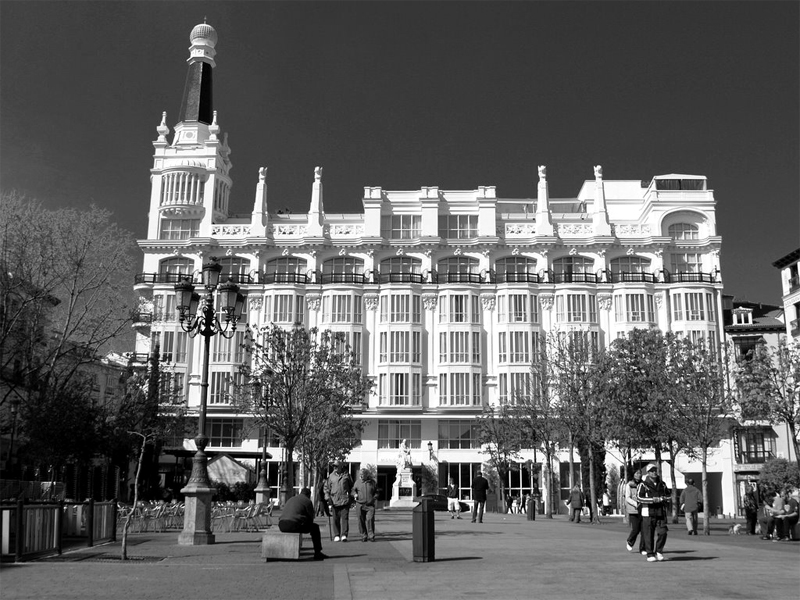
(211, 273)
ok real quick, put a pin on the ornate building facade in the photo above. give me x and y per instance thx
(444, 294)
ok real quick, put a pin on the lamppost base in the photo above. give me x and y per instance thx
(196, 517)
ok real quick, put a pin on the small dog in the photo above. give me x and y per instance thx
(735, 529)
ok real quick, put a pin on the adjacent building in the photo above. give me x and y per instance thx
(789, 267)
(444, 294)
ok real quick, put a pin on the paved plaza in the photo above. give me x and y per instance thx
(506, 557)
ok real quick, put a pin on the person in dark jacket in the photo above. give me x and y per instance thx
(653, 497)
(453, 504)
(338, 486)
(479, 488)
(751, 509)
(365, 492)
(575, 503)
(297, 516)
(691, 501)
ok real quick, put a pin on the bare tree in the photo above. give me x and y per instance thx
(501, 440)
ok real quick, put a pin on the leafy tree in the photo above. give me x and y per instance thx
(702, 408)
(779, 475)
(501, 439)
(768, 382)
(304, 385)
(575, 355)
(537, 412)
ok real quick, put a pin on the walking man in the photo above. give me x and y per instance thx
(453, 505)
(365, 493)
(337, 493)
(479, 488)
(297, 516)
(691, 501)
(653, 497)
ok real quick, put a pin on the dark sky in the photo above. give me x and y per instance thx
(407, 94)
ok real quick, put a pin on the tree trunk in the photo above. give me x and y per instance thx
(594, 516)
(127, 524)
(674, 492)
(547, 485)
(571, 462)
(706, 526)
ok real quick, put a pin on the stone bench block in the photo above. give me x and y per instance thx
(277, 545)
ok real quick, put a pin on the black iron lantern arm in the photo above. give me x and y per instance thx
(206, 322)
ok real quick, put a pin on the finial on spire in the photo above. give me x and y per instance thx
(163, 129)
(318, 173)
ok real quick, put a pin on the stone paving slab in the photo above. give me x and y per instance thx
(506, 557)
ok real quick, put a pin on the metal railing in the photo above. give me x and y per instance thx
(162, 277)
(32, 530)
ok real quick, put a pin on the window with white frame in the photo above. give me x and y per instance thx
(686, 262)
(401, 227)
(684, 231)
(517, 346)
(458, 226)
(513, 385)
(460, 389)
(400, 308)
(391, 432)
(459, 308)
(179, 229)
(576, 308)
(629, 264)
(228, 350)
(399, 388)
(341, 308)
(348, 342)
(634, 308)
(286, 308)
(517, 308)
(171, 345)
(221, 385)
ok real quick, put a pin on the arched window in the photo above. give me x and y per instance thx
(173, 270)
(574, 269)
(458, 269)
(236, 269)
(631, 268)
(286, 270)
(683, 231)
(343, 269)
(516, 268)
(399, 269)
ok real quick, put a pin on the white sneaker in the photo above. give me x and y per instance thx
(644, 552)
(651, 559)
(344, 538)
(629, 547)
(660, 556)
(336, 538)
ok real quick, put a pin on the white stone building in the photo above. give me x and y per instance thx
(444, 293)
(789, 266)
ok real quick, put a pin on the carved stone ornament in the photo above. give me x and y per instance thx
(341, 252)
(255, 302)
(659, 300)
(457, 252)
(400, 252)
(630, 251)
(486, 253)
(659, 253)
(285, 252)
(604, 302)
(176, 252)
(488, 301)
(542, 173)
(515, 252)
(573, 251)
(546, 301)
(598, 172)
(430, 301)
(428, 253)
(371, 301)
(262, 174)
(313, 301)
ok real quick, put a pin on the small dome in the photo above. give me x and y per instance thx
(205, 32)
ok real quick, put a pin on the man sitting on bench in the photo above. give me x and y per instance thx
(297, 516)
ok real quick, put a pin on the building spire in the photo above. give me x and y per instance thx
(197, 103)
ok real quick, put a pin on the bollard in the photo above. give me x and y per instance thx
(423, 532)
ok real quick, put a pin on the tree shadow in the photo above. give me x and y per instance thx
(688, 558)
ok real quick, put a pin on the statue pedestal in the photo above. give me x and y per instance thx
(404, 491)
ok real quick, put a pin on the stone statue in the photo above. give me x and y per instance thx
(262, 174)
(318, 173)
(542, 173)
(598, 172)
(404, 457)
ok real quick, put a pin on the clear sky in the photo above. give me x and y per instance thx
(409, 94)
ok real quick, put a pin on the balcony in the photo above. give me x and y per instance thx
(690, 277)
(142, 319)
(161, 278)
(353, 278)
(401, 278)
(458, 278)
(794, 284)
(288, 278)
(516, 278)
(574, 278)
(624, 277)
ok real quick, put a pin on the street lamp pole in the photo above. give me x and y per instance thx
(198, 490)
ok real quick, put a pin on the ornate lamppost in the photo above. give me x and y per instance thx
(206, 322)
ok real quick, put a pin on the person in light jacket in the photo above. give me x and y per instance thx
(632, 509)
(691, 500)
(337, 493)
